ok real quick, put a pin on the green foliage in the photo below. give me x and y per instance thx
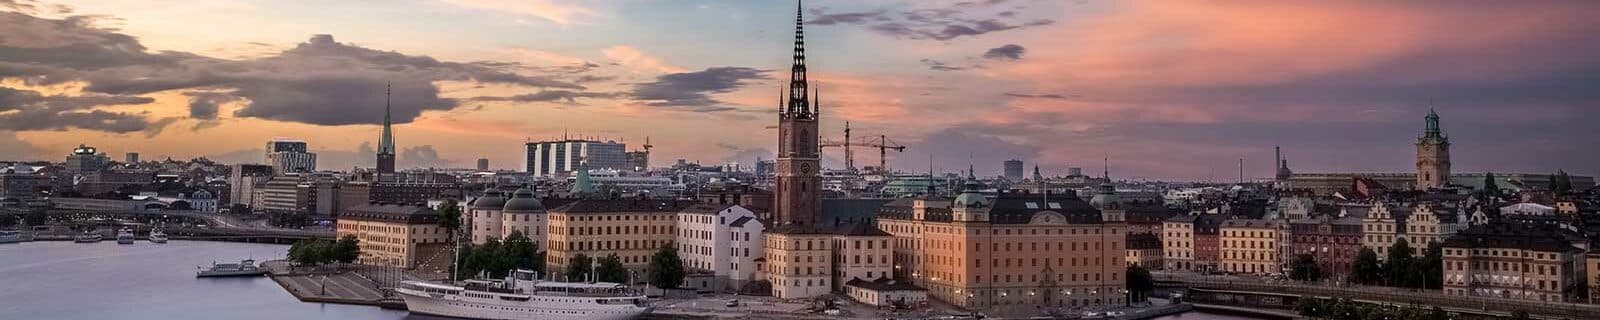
(1491, 189)
(523, 253)
(36, 217)
(1366, 269)
(1560, 183)
(1304, 268)
(666, 268)
(611, 270)
(578, 267)
(1139, 283)
(347, 250)
(449, 216)
(317, 252)
(495, 258)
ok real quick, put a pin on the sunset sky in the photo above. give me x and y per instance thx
(1165, 89)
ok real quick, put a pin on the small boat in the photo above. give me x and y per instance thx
(125, 236)
(87, 237)
(246, 268)
(156, 236)
(10, 236)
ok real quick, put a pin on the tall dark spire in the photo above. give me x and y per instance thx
(386, 142)
(799, 105)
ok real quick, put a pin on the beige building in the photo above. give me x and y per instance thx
(395, 235)
(885, 292)
(1249, 246)
(1420, 224)
(861, 252)
(633, 229)
(1018, 251)
(1528, 262)
(1383, 226)
(1177, 242)
(1144, 250)
(798, 263)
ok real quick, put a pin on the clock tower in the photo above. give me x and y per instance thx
(1433, 155)
(795, 196)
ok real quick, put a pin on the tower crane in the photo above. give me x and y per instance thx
(882, 143)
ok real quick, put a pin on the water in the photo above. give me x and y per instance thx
(146, 281)
(102, 281)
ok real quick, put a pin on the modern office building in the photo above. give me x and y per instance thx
(483, 164)
(1014, 170)
(131, 157)
(558, 158)
(244, 179)
(287, 155)
(85, 159)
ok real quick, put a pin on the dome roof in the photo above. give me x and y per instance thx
(491, 200)
(524, 201)
(969, 199)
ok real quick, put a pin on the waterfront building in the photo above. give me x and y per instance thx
(203, 201)
(1177, 238)
(723, 241)
(632, 229)
(23, 186)
(85, 159)
(524, 213)
(1016, 251)
(1144, 250)
(1249, 246)
(1333, 242)
(560, 157)
(1013, 170)
(1516, 261)
(287, 155)
(395, 235)
(885, 292)
(243, 180)
(1207, 243)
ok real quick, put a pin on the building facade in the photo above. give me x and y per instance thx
(723, 241)
(395, 235)
(1433, 155)
(633, 229)
(1013, 170)
(1516, 261)
(1249, 246)
(1332, 242)
(560, 157)
(1177, 239)
(287, 155)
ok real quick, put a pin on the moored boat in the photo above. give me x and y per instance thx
(156, 236)
(10, 236)
(87, 237)
(522, 296)
(125, 236)
(246, 268)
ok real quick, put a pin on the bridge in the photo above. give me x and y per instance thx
(1255, 292)
(218, 226)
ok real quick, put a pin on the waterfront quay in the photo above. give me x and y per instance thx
(1259, 293)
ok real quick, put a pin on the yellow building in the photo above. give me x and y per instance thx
(798, 262)
(1177, 243)
(395, 235)
(1018, 251)
(1528, 262)
(1144, 250)
(633, 229)
(1249, 246)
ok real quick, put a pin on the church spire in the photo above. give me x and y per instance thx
(1432, 129)
(799, 105)
(386, 142)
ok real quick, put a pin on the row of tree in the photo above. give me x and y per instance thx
(321, 252)
(1139, 283)
(1341, 308)
(1400, 268)
(496, 258)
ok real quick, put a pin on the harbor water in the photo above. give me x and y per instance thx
(147, 281)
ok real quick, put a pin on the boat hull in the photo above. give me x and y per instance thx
(219, 274)
(447, 306)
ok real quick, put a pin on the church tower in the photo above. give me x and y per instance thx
(1433, 155)
(797, 164)
(386, 142)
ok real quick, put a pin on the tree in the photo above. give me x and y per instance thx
(1139, 283)
(611, 270)
(666, 268)
(1560, 183)
(578, 267)
(1520, 315)
(449, 217)
(1304, 268)
(1491, 190)
(36, 217)
(1366, 270)
(348, 249)
(524, 253)
(1397, 266)
(1431, 268)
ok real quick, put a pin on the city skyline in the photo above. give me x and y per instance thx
(1343, 87)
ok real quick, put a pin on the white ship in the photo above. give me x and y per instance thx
(157, 236)
(521, 296)
(125, 236)
(10, 236)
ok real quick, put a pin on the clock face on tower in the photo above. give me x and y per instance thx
(805, 168)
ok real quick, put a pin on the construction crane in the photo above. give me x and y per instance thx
(882, 143)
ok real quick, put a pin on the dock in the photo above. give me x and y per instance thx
(329, 287)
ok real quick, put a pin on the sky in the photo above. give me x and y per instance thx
(1175, 90)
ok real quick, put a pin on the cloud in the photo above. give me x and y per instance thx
(569, 97)
(941, 24)
(203, 105)
(27, 110)
(423, 156)
(1005, 52)
(637, 60)
(937, 65)
(556, 11)
(694, 89)
(320, 81)
(1035, 96)
(13, 148)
